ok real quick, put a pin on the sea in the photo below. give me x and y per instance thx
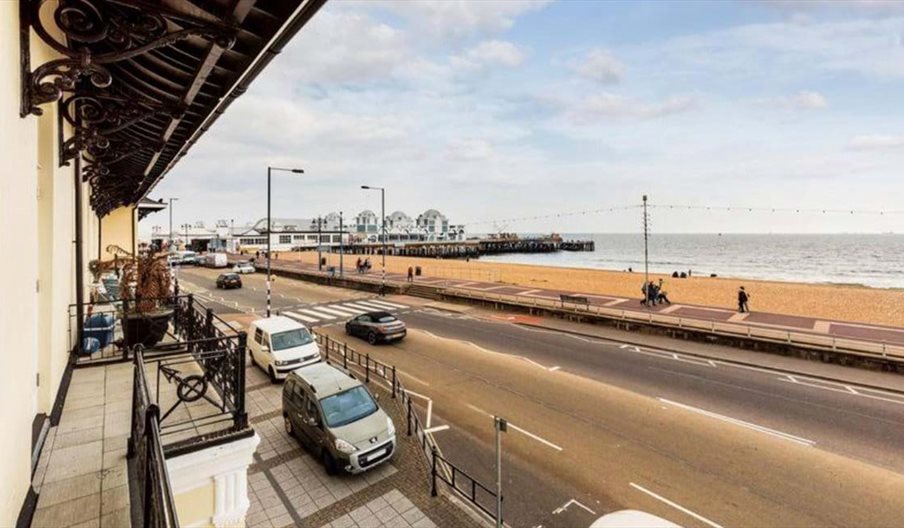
(874, 260)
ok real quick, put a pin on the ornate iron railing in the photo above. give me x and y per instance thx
(145, 449)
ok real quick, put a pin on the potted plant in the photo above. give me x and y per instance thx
(144, 289)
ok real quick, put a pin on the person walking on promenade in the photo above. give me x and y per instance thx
(358, 265)
(743, 297)
(366, 265)
(662, 295)
(646, 296)
(410, 274)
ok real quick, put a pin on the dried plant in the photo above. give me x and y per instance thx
(145, 279)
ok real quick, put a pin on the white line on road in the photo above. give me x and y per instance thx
(414, 378)
(387, 304)
(675, 505)
(742, 423)
(333, 310)
(315, 313)
(565, 506)
(516, 428)
(847, 389)
(304, 318)
(553, 369)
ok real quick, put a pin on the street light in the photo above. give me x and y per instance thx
(270, 226)
(501, 426)
(383, 229)
(171, 200)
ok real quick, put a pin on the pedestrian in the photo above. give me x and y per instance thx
(662, 295)
(630, 270)
(257, 254)
(358, 265)
(653, 290)
(688, 273)
(410, 274)
(743, 297)
(367, 265)
(646, 296)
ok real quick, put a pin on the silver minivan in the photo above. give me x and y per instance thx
(337, 418)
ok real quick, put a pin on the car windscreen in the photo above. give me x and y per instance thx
(290, 339)
(347, 406)
(386, 319)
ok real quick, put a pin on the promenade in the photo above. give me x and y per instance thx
(693, 315)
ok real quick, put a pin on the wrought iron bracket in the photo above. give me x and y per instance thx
(91, 29)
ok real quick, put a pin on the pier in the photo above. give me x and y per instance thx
(472, 248)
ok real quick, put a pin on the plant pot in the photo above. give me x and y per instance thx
(147, 329)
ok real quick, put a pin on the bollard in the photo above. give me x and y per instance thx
(433, 471)
(367, 368)
(393, 382)
(409, 416)
(345, 355)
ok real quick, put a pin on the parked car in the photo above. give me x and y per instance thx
(229, 280)
(337, 418)
(280, 345)
(376, 327)
(244, 267)
(189, 257)
(215, 260)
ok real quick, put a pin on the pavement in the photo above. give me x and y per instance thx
(831, 328)
(602, 422)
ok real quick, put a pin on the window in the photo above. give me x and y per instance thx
(257, 336)
(364, 319)
(285, 239)
(291, 339)
(347, 406)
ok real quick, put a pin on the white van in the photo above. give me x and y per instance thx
(279, 345)
(216, 260)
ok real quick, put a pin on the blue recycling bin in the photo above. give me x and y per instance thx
(100, 326)
(90, 346)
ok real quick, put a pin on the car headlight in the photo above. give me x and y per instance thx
(390, 427)
(279, 363)
(344, 447)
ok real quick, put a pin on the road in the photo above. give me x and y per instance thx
(605, 426)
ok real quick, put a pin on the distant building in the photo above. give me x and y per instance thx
(431, 225)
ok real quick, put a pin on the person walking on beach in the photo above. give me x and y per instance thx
(743, 297)
(358, 265)
(410, 274)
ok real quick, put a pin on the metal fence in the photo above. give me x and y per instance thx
(157, 507)
(441, 468)
(871, 348)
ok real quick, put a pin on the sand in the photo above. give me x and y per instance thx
(825, 301)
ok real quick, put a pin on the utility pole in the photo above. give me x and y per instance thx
(341, 243)
(232, 233)
(383, 224)
(269, 229)
(501, 426)
(646, 252)
(319, 245)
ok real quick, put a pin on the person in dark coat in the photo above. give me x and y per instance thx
(743, 297)
(410, 274)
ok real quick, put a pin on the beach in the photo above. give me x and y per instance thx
(830, 301)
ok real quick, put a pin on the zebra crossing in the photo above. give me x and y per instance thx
(325, 314)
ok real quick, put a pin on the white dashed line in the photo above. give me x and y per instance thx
(675, 505)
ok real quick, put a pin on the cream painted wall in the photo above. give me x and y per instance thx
(196, 507)
(18, 245)
(117, 228)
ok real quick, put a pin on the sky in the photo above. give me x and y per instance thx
(493, 110)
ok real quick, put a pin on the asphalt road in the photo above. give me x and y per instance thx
(604, 426)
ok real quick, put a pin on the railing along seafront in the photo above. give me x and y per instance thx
(202, 353)
(874, 348)
(441, 468)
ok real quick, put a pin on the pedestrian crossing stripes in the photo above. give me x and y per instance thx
(338, 312)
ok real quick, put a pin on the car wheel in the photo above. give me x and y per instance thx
(329, 463)
(272, 374)
(288, 423)
(372, 338)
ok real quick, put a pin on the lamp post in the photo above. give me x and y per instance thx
(646, 253)
(170, 248)
(501, 426)
(270, 226)
(341, 243)
(383, 229)
(232, 233)
(319, 243)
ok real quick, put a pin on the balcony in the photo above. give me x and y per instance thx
(143, 427)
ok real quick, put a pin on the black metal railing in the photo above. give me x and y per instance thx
(441, 468)
(145, 449)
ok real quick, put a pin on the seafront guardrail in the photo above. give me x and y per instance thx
(879, 349)
(441, 468)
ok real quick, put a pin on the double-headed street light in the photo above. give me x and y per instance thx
(383, 229)
(270, 226)
(170, 248)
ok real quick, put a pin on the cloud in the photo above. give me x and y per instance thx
(609, 105)
(876, 142)
(599, 65)
(803, 100)
(455, 19)
(490, 53)
(469, 149)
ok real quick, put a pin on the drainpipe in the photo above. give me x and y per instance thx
(79, 258)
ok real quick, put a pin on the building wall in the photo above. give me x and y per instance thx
(117, 228)
(18, 244)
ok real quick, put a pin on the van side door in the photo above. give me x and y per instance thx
(312, 427)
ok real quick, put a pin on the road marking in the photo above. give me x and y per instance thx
(375, 306)
(360, 306)
(520, 430)
(742, 423)
(847, 389)
(314, 312)
(436, 429)
(304, 318)
(415, 378)
(565, 506)
(352, 309)
(675, 505)
(387, 304)
(532, 362)
(553, 369)
(332, 310)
